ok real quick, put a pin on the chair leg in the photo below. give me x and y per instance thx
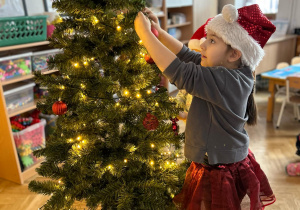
(280, 114)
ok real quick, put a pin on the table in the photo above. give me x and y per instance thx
(277, 77)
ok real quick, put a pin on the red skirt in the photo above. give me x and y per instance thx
(216, 187)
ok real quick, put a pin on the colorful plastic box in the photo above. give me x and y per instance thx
(29, 140)
(18, 95)
(15, 66)
(40, 59)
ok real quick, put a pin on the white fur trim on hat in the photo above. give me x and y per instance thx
(194, 44)
(226, 27)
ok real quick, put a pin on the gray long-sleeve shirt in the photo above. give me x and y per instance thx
(216, 119)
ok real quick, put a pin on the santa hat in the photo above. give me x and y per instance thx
(198, 37)
(246, 29)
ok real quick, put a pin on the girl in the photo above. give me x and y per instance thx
(221, 83)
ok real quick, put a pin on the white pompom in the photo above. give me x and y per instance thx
(230, 13)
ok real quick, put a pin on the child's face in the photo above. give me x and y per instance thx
(214, 51)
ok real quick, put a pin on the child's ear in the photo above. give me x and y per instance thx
(234, 55)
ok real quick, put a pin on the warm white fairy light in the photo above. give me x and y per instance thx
(119, 28)
(76, 65)
(140, 41)
(78, 146)
(149, 91)
(138, 95)
(125, 160)
(117, 104)
(126, 92)
(78, 138)
(152, 162)
(70, 140)
(85, 63)
(82, 86)
(152, 145)
(156, 104)
(83, 96)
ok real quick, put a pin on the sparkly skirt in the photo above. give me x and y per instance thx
(216, 187)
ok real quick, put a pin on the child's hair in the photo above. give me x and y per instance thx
(251, 110)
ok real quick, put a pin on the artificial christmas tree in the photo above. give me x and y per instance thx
(102, 150)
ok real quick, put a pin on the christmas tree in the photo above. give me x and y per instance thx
(114, 145)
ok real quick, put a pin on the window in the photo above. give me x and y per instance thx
(266, 6)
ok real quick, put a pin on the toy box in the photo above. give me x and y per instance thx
(40, 59)
(15, 66)
(29, 140)
(18, 95)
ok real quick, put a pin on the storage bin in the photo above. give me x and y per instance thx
(39, 59)
(21, 30)
(18, 95)
(15, 66)
(29, 140)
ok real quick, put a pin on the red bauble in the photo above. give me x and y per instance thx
(149, 59)
(174, 125)
(59, 108)
(154, 31)
(150, 122)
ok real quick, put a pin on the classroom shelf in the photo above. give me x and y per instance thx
(21, 46)
(10, 168)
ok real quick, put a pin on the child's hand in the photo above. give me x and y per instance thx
(142, 25)
(154, 19)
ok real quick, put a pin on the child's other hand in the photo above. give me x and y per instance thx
(142, 24)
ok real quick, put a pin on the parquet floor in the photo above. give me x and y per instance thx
(273, 149)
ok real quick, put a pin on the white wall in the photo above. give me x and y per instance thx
(203, 10)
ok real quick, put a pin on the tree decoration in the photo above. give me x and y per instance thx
(149, 59)
(59, 108)
(150, 122)
(154, 31)
(175, 126)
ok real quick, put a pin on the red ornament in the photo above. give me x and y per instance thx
(150, 122)
(59, 108)
(149, 59)
(154, 31)
(174, 125)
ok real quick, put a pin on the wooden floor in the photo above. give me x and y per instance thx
(273, 149)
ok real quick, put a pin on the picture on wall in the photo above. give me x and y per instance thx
(11, 8)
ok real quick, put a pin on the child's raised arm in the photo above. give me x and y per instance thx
(160, 53)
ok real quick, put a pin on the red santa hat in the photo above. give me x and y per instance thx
(246, 29)
(198, 37)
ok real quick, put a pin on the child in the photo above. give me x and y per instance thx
(221, 82)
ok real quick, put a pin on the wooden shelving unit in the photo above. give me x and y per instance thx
(10, 168)
(187, 27)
